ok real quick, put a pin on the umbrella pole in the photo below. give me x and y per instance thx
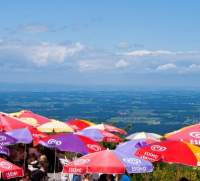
(54, 165)
(24, 165)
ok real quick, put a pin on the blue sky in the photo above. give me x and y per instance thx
(124, 43)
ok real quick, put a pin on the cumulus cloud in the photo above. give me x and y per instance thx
(20, 55)
(44, 53)
(40, 54)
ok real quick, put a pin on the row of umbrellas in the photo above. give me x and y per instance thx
(26, 127)
(135, 156)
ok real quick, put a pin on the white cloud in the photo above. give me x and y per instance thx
(40, 54)
(15, 55)
(44, 53)
(141, 53)
(166, 67)
(121, 64)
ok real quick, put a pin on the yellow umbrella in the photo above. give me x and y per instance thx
(55, 126)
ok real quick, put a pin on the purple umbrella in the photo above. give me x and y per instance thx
(4, 151)
(129, 147)
(135, 164)
(6, 139)
(23, 135)
(94, 134)
(72, 143)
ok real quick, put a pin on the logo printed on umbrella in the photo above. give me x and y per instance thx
(138, 169)
(5, 165)
(94, 147)
(54, 142)
(195, 134)
(158, 148)
(133, 161)
(81, 161)
(11, 174)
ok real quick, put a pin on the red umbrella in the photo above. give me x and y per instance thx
(109, 162)
(171, 151)
(79, 124)
(37, 135)
(8, 123)
(30, 117)
(190, 134)
(9, 170)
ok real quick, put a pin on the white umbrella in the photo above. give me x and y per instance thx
(144, 135)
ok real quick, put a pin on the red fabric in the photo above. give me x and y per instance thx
(9, 170)
(8, 123)
(109, 137)
(91, 145)
(28, 114)
(37, 136)
(114, 129)
(99, 162)
(168, 151)
(77, 124)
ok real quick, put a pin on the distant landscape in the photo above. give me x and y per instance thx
(159, 111)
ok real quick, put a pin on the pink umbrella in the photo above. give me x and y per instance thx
(190, 134)
(8, 123)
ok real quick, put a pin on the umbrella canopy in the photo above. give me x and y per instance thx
(100, 135)
(30, 118)
(8, 123)
(55, 126)
(171, 151)
(144, 135)
(6, 139)
(130, 147)
(37, 135)
(108, 162)
(22, 135)
(108, 128)
(190, 134)
(9, 170)
(79, 124)
(72, 143)
(4, 151)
